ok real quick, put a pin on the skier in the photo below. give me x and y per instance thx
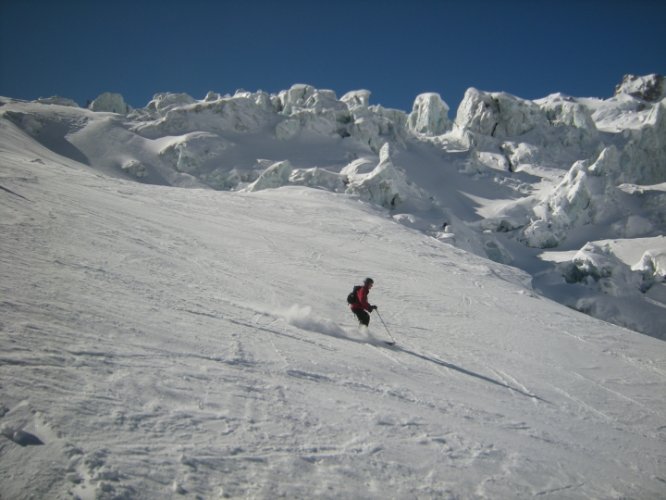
(361, 307)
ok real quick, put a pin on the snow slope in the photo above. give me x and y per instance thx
(508, 179)
(158, 342)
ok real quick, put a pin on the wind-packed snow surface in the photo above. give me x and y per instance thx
(159, 342)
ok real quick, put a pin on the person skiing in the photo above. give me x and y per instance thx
(361, 307)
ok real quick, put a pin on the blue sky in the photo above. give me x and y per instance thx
(396, 49)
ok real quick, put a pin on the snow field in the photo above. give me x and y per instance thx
(164, 342)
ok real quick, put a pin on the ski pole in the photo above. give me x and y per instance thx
(387, 330)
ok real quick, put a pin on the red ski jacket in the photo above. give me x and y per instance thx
(362, 303)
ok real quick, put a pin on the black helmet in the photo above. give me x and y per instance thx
(369, 281)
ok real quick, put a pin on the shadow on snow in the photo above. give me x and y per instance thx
(464, 371)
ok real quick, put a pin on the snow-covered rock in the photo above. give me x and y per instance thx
(319, 178)
(311, 111)
(135, 168)
(282, 173)
(588, 194)
(327, 122)
(386, 185)
(261, 99)
(649, 207)
(110, 102)
(239, 114)
(572, 118)
(429, 115)
(644, 155)
(498, 114)
(650, 88)
(277, 175)
(595, 265)
(296, 97)
(212, 96)
(193, 152)
(375, 126)
(357, 99)
(653, 266)
(163, 102)
(607, 287)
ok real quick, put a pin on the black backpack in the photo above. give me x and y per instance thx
(352, 298)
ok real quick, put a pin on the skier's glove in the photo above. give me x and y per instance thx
(373, 308)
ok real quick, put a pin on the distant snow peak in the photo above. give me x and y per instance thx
(110, 102)
(651, 88)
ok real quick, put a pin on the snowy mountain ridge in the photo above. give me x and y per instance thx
(505, 179)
